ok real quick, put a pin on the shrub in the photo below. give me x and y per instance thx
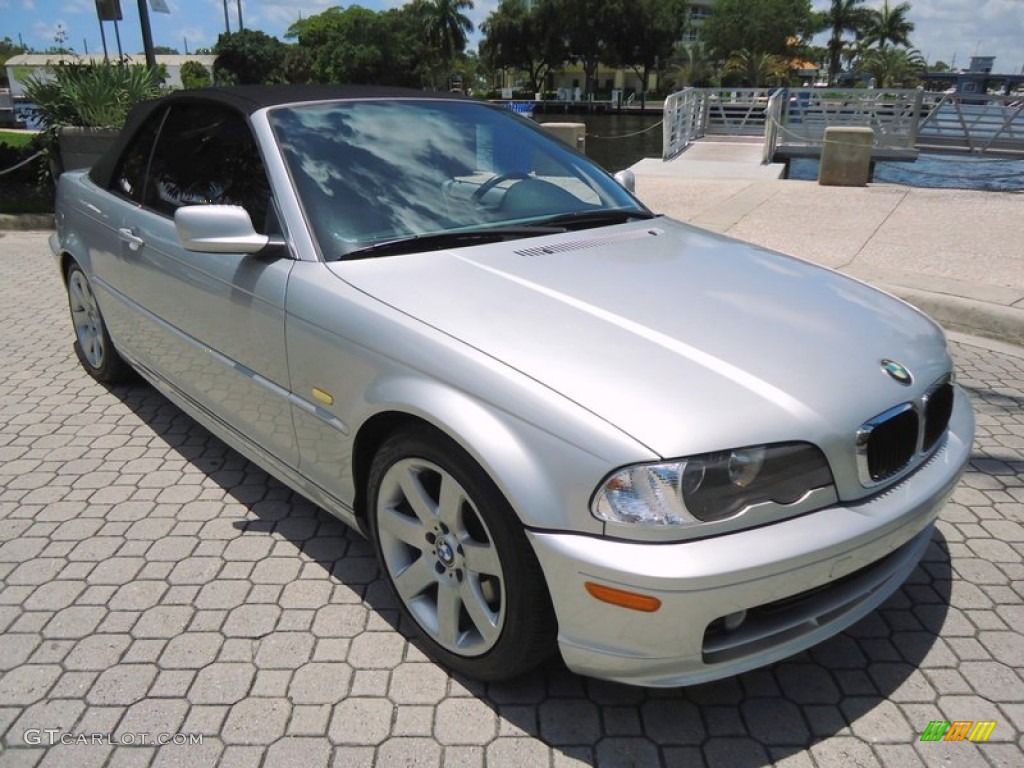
(90, 95)
(195, 75)
(25, 187)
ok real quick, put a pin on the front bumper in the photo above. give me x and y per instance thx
(800, 581)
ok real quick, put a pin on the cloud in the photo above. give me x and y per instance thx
(79, 7)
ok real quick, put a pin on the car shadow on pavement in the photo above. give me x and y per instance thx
(868, 683)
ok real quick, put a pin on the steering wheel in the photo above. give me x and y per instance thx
(490, 184)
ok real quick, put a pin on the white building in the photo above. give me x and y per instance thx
(39, 65)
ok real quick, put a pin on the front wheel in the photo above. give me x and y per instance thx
(457, 558)
(93, 347)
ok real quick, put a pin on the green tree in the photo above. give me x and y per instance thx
(693, 66)
(757, 69)
(758, 26)
(415, 58)
(165, 50)
(589, 28)
(890, 25)
(447, 27)
(249, 57)
(645, 36)
(843, 16)
(357, 45)
(298, 65)
(893, 67)
(194, 75)
(524, 38)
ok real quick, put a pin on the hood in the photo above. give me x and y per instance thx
(685, 340)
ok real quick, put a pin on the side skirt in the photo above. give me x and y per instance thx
(250, 450)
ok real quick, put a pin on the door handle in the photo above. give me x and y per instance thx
(134, 241)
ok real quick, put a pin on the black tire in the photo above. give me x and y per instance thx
(499, 625)
(93, 346)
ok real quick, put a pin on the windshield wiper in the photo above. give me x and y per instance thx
(595, 218)
(439, 240)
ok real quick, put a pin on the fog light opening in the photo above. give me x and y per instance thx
(622, 598)
(733, 621)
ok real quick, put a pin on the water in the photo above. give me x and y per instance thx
(938, 171)
(616, 141)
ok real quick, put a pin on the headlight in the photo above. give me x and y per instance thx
(711, 486)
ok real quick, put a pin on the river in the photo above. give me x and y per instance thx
(939, 171)
(616, 141)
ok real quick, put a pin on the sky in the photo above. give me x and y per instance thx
(944, 29)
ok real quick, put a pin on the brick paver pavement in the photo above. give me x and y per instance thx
(154, 582)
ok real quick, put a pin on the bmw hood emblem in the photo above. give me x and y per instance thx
(897, 372)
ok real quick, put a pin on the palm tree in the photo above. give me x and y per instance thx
(447, 27)
(844, 16)
(893, 67)
(758, 68)
(890, 25)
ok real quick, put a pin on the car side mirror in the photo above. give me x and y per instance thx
(219, 229)
(627, 179)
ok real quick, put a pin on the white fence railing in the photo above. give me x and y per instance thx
(892, 114)
(683, 121)
(971, 122)
(772, 123)
(736, 111)
(901, 119)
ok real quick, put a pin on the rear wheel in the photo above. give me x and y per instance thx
(93, 347)
(457, 558)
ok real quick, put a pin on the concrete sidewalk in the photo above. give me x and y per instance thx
(957, 254)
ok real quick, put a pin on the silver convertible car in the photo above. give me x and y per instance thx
(564, 423)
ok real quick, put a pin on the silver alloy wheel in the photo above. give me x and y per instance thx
(441, 557)
(85, 314)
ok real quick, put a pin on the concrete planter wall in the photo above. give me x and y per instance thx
(82, 147)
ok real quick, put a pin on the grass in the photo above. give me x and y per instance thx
(16, 139)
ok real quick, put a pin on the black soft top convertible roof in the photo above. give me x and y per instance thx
(248, 99)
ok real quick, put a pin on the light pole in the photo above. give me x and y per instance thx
(147, 35)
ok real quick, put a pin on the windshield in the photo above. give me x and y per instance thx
(371, 172)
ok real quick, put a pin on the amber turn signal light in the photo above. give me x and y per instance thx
(622, 598)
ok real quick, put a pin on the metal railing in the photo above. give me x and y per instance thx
(736, 111)
(682, 121)
(892, 114)
(901, 119)
(972, 123)
(773, 115)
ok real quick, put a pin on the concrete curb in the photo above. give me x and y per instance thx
(993, 321)
(25, 222)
